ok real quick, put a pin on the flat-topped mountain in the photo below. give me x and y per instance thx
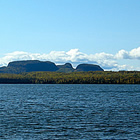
(28, 66)
(36, 65)
(88, 67)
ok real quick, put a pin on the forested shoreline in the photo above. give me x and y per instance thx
(98, 77)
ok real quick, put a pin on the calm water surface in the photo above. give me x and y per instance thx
(40, 112)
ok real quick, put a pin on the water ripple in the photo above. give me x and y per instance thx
(69, 112)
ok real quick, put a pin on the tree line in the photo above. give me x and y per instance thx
(92, 77)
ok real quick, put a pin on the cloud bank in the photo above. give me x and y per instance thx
(74, 56)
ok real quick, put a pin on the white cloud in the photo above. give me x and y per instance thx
(133, 54)
(122, 54)
(74, 56)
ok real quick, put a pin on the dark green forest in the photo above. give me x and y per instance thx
(91, 77)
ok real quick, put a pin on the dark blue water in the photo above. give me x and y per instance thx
(69, 112)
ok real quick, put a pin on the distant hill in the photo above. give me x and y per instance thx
(17, 67)
(28, 66)
(65, 68)
(88, 67)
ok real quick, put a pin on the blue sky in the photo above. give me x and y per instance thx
(104, 32)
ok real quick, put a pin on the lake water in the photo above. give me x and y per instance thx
(41, 112)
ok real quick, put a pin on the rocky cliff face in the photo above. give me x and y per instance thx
(35, 65)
